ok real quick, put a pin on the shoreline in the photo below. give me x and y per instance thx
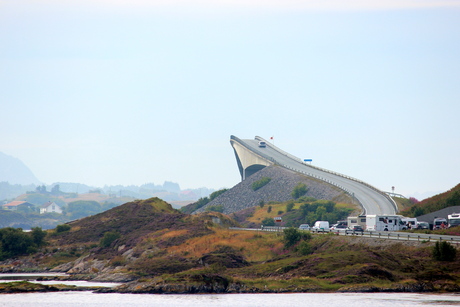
(25, 286)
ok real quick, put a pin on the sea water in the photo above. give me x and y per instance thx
(63, 299)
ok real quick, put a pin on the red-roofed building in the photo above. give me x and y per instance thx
(14, 205)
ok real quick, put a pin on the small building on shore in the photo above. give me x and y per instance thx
(50, 207)
(17, 204)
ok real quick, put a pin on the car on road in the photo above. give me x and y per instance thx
(355, 229)
(304, 227)
(423, 225)
(339, 227)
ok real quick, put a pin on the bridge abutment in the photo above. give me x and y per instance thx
(248, 161)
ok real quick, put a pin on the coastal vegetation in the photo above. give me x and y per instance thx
(305, 210)
(260, 183)
(15, 242)
(447, 199)
(299, 190)
(203, 201)
(154, 248)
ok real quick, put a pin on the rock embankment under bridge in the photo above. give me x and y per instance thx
(279, 189)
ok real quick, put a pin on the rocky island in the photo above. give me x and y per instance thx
(152, 248)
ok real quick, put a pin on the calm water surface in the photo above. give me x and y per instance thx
(239, 300)
(31, 277)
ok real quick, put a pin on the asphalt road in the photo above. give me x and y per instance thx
(372, 200)
(401, 236)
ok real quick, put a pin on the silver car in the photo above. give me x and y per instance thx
(304, 227)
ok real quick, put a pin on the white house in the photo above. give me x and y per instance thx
(49, 207)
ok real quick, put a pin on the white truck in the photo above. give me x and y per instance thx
(321, 226)
(384, 223)
(453, 220)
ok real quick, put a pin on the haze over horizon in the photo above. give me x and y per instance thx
(130, 92)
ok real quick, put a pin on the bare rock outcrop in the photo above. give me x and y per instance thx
(279, 189)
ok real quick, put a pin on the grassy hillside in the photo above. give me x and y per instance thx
(132, 221)
(74, 206)
(293, 213)
(159, 249)
(435, 203)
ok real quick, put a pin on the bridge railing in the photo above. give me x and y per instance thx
(260, 154)
(258, 138)
(297, 170)
(401, 236)
(331, 183)
(358, 181)
(298, 160)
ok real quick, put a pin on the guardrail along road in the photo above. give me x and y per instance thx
(371, 199)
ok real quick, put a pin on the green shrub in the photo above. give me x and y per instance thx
(268, 222)
(444, 251)
(304, 248)
(299, 190)
(62, 228)
(307, 199)
(15, 242)
(38, 236)
(201, 202)
(216, 208)
(108, 238)
(260, 183)
(217, 193)
(289, 206)
(291, 237)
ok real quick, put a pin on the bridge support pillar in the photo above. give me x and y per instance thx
(248, 162)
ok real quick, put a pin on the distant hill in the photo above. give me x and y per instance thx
(14, 171)
(134, 221)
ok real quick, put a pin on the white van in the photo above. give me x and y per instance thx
(321, 226)
(410, 222)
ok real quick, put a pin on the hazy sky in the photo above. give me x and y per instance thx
(130, 92)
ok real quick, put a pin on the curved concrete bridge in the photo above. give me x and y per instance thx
(252, 158)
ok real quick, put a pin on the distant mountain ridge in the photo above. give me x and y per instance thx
(14, 171)
(16, 179)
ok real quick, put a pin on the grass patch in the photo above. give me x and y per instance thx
(254, 247)
(298, 284)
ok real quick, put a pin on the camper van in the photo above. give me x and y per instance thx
(384, 223)
(356, 221)
(453, 220)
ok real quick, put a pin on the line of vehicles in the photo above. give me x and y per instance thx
(383, 223)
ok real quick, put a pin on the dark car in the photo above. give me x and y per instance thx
(358, 228)
(423, 225)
